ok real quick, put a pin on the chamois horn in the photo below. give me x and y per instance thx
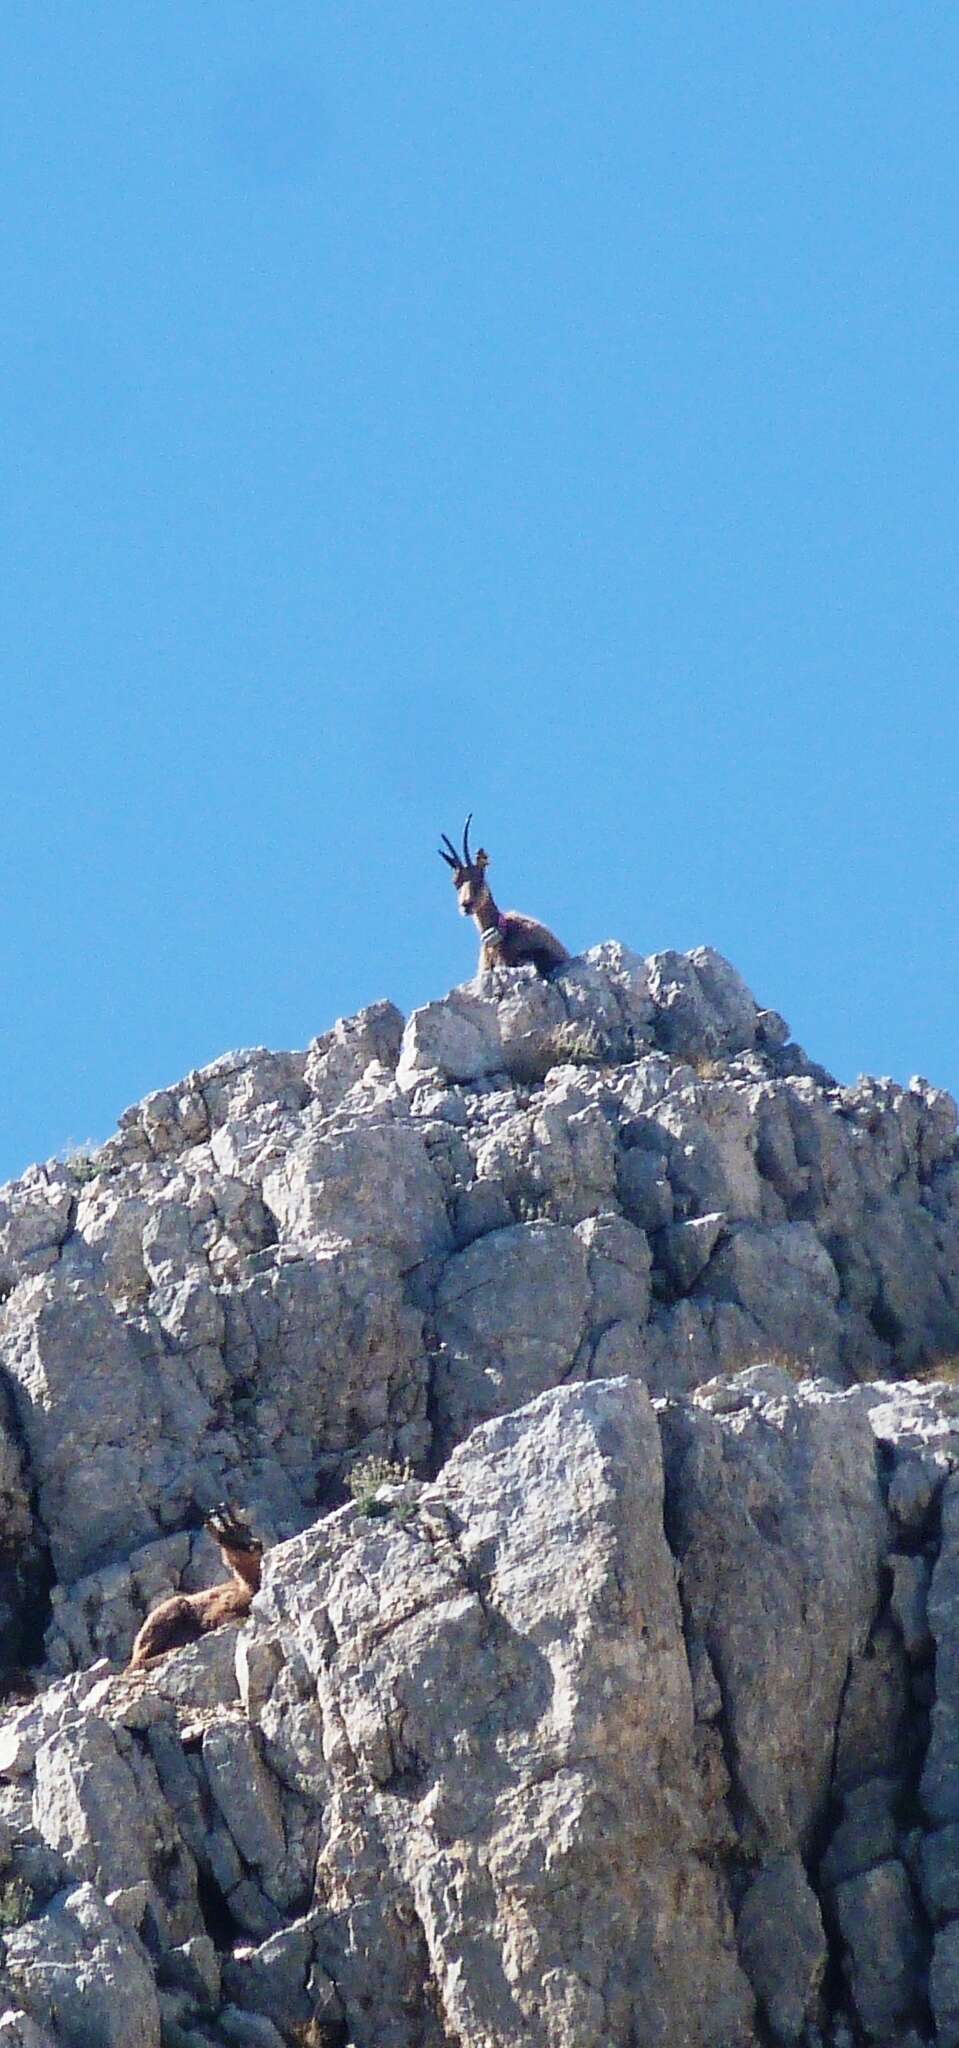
(452, 858)
(467, 856)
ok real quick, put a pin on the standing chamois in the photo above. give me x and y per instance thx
(185, 1616)
(508, 938)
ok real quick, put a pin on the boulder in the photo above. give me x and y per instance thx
(511, 1313)
(97, 1803)
(944, 1985)
(81, 1973)
(370, 1183)
(782, 1945)
(883, 1948)
(940, 1777)
(775, 1515)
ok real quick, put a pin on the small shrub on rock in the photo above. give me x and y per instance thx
(369, 1475)
(16, 1902)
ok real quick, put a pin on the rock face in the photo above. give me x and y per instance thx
(631, 1718)
(493, 1669)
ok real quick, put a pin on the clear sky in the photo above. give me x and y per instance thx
(546, 410)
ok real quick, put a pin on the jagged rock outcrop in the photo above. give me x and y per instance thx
(630, 1718)
(611, 1732)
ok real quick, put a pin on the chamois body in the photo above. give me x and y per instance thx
(186, 1616)
(507, 937)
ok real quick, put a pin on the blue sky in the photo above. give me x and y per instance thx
(548, 411)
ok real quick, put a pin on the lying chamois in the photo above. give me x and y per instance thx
(508, 938)
(185, 1616)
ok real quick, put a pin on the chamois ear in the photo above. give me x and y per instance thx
(482, 860)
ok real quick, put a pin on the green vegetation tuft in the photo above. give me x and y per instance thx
(366, 1478)
(940, 1369)
(82, 1163)
(16, 1902)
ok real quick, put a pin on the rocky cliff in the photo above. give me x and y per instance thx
(616, 1702)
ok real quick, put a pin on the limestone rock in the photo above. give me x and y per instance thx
(782, 1945)
(475, 1768)
(618, 1268)
(940, 1778)
(644, 1187)
(36, 1213)
(336, 1061)
(875, 1708)
(944, 1985)
(371, 1183)
(883, 1948)
(78, 1971)
(511, 1313)
(97, 1803)
(703, 1006)
(517, 1666)
(784, 1279)
(685, 1249)
(910, 1602)
(867, 1833)
(17, 2030)
(277, 1978)
(84, 1399)
(774, 1511)
(939, 1872)
(243, 1221)
(194, 1967)
(244, 1793)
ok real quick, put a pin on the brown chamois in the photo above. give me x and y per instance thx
(507, 937)
(185, 1616)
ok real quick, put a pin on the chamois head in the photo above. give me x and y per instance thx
(468, 872)
(234, 1536)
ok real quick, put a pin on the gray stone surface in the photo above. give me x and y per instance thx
(909, 1602)
(883, 1951)
(79, 1972)
(500, 1668)
(491, 1693)
(685, 1249)
(775, 1515)
(473, 1766)
(784, 1279)
(944, 1985)
(940, 1778)
(939, 1872)
(337, 1060)
(866, 1834)
(253, 1264)
(98, 1805)
(873, 1724)
(511, 1315)
(248, 2029)
(244, 1792)
(277, 1978)
(782, 1945)
(18, 2030)
(371, 1183)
